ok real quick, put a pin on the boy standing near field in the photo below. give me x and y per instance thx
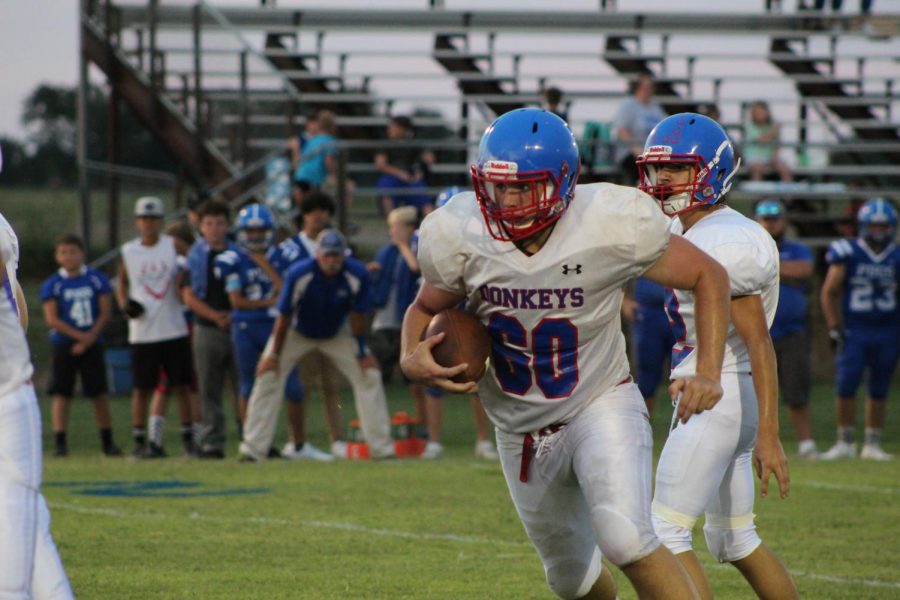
(77, 306)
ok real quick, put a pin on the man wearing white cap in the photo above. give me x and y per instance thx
(318, 296)
(147, 292)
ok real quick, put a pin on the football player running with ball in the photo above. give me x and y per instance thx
(707, 464)
(542, 264)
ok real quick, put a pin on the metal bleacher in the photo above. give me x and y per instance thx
(223, 87)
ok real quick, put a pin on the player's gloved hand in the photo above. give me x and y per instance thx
(133, 309)
(836, 337)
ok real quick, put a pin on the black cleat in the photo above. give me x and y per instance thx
(140, 450)
(274, 453)
(112, 450)
(154, 451)
(61, 451)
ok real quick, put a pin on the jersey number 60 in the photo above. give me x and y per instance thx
(554, 355)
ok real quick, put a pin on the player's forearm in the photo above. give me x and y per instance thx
(411, 261)
(64, 328)
(796, 269)
(830, 302)
(415, 321)
(712, 302)
(279, 333)
(358, 324)
(200, 308)
(22, 307)
(103, 318)
(765, 383)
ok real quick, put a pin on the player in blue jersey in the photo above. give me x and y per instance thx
(318, 297)
(651, 336)
(789, 331)
(253, 285)
(77, 305)
(860, 305)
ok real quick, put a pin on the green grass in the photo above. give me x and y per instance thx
(410, 529)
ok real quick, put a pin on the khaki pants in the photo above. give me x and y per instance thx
(268, 391)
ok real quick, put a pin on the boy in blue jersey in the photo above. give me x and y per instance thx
(318, 297)
(77, 306)
(253, 285)
(789, 331)
(860, 305)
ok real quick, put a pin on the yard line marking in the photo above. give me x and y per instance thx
(841, 487)
(448, 537)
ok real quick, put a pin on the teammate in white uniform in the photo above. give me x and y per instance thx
(542, 265)
(29, 562)
(707, 464)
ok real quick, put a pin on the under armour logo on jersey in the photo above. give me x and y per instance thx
(567, 269)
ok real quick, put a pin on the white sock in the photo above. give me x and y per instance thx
(157, 429)
(807, 446)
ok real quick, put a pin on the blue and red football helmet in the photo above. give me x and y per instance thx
(877, 211)
(255, 218)
(694, 140)
(532, 148)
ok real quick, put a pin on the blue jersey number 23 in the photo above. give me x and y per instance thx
(554, 360)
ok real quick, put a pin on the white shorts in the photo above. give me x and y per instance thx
(706, 464)
(29, 562)
(588, 489)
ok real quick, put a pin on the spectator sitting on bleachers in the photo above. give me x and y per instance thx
(313, 155)
(553, 103)
(403, 167)
(633, 122)
(762, 137)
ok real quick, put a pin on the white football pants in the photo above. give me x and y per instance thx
(268, 392)
(30, 567)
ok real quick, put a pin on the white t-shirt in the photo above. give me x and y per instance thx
(553, 316)
(151, 281)
(15, 359)
(750, 256)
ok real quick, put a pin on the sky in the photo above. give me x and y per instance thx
(39, 38)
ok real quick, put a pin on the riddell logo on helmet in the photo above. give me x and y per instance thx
(501, 167)
(659, 150)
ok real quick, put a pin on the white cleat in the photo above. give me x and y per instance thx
(839, 451)
(339, 449)
(874, 452)
(807, 450)
(307, 452)
(432, 451)
(485, 449)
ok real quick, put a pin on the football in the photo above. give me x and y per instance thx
(466, 341)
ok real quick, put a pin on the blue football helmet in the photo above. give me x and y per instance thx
(447, 193)
(255, 228)
(533, 152)
(700, 144)
(877, 211)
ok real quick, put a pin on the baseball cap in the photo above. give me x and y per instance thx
(769, 209)
(148, 206)
(330, 241)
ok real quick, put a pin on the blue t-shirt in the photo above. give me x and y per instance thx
(790, 316)
(77, 299)
(318, 305)
(312, 160)
(871, 284)
(240, 274)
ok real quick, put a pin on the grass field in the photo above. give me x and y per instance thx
(183, 528)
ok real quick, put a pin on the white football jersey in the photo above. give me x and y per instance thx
(15, 360)
(750, 256)
(151, 281)
(553, 316)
